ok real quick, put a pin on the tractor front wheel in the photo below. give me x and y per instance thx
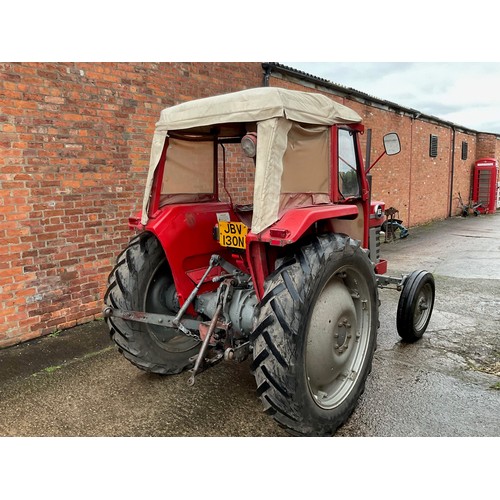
(315, 335)
(142, 281)
(415, 305)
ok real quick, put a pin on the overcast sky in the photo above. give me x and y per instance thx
(467, 94)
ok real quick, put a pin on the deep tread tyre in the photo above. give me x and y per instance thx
(315, 335)
(415, 305)
(141, 281)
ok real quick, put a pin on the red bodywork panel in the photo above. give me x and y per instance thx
(381, 267)
(296, 222)
(289, 229)
(376, 220)
(186, 234)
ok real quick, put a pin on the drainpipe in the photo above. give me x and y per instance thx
(413, 118)
(452, 172)
(267, 73)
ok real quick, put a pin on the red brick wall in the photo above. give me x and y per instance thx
(429, 176)
(74, 141)
(488, 146)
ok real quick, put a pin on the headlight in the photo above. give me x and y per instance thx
(249, 144)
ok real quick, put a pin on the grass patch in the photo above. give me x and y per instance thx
(52, 369)
(490, 368)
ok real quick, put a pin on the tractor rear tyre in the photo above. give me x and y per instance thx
(142, 281)
(315, 335)
(415, 305)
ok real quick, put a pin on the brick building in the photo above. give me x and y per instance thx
(74, 151)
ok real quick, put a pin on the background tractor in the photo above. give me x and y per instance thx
(290, 277)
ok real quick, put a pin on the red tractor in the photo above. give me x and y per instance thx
(291, 279)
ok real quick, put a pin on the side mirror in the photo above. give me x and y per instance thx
(392, 145)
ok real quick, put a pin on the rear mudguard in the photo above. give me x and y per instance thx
(186, 233)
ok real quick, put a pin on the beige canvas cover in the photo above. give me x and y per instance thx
(274, 110)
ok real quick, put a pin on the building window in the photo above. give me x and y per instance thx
(464, 150)
(433, 148)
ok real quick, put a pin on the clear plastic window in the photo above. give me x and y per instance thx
(348, 171)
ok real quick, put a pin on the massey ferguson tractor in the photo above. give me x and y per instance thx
(290, 280)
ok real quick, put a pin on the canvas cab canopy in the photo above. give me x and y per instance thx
(292, 147)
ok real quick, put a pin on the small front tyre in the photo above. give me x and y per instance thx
(415, 305)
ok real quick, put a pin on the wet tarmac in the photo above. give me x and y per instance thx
(447, 384)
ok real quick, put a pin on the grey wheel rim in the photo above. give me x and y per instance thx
(158, 288)
(338, 337)
(423, 303)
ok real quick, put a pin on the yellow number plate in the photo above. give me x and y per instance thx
(232, 234)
